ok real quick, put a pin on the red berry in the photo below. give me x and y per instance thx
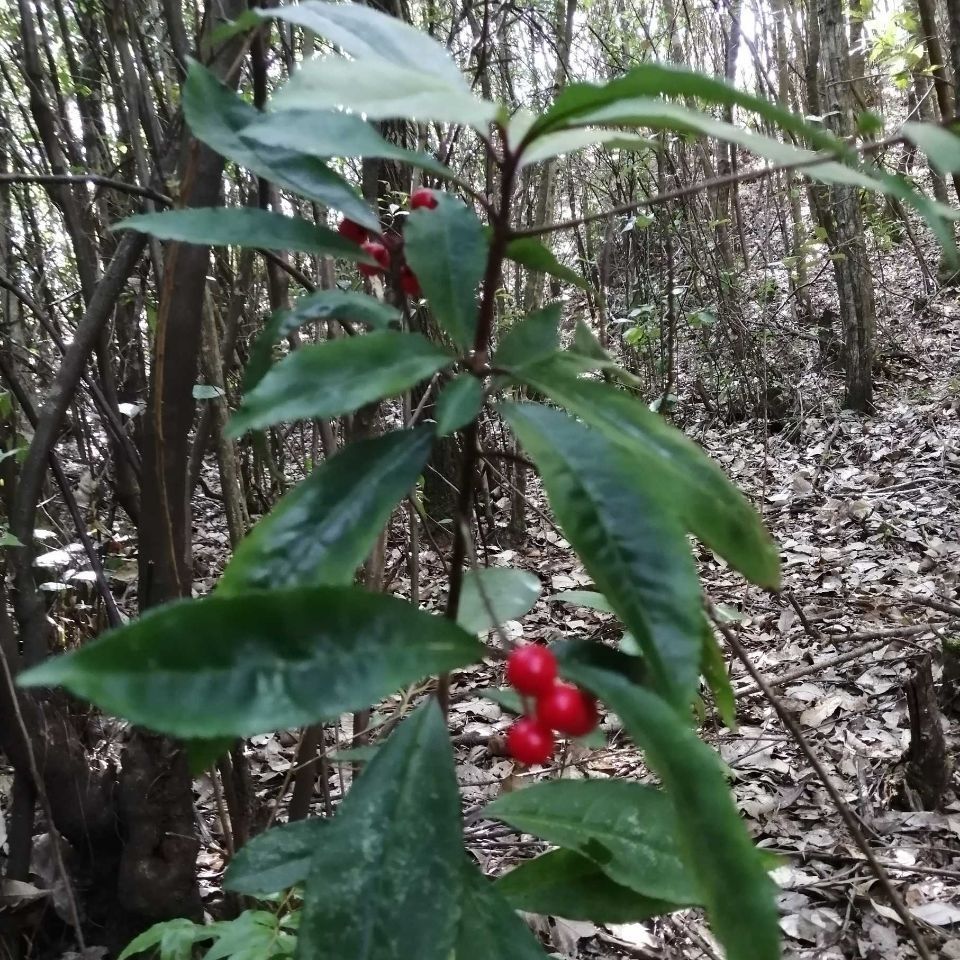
(379, 253)
(529, 742)
(532, 670)
(351, 231)
(567, 709)
(423, 197)
(409, 283)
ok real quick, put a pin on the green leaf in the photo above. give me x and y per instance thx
(941, 146)
(347, 305)
(338, 376)
(241, 665)
(662, 115)
(354, 755)
(446, 248)
(219, 117)
(489, 928)
(506, 697)
(652, 80)
(276, 860)
(629, 542)
(661, 79)
(586, 345)
(713, 840)
(385, 883)
(709, 505)
(531, 339)
(203, 754)
(562, 883)
(382, 90)
(247, 20)
(492, 595)
(243, 227)
(251, 936)
(714, 669)
(369, 35)
(626, 829)
(585, 598)
(459, 403)
(331, 133)
(570, 141)
(174, 938)
(7, 539)
(206, 391)
(320, 532)
(534, 255)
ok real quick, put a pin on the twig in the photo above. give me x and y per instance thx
(810, 629)
(846, 814)
(94, 178)
(879, 638)
(738, 177)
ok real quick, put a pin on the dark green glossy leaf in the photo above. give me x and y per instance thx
(219, 117)
(506, 697)
(714, 669)
(562, 883)
(627, 661)
(203, 754)
(489, 928)
(254, 935)
(338, 376)
(713, 840)
(534, 255)
(381, 89)
(370, 35)
(492, 595)
(236, 666)
(585, 598)
(941, 146)
(243, 227)
(666, 80)
(459, 403)
(320, 532)
(354, 755)
(655, 80)
(385, 884)
(585, 344)
(331, 133)
(710, 506)
(531, 339)
(626, 829)
(569, 141)
(631, 545)
(276, 860)
(348, 305)
(174, 939)
(446, 248)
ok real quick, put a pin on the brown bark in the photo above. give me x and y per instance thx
(928, 769)
(941, 83)
(844, 220)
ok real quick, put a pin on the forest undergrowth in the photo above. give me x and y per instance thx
(864, 510)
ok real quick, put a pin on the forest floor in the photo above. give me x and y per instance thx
(865, 511)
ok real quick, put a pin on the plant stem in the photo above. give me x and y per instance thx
(500, 222)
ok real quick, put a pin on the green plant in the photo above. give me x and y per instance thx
(287, 639)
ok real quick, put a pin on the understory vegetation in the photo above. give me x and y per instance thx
(478, 480)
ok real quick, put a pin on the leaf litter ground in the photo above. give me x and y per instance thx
(865, 513)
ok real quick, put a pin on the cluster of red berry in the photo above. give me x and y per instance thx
(560, 707)
(379, 247)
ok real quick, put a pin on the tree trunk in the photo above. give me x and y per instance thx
(845, 221)
(941, 84)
